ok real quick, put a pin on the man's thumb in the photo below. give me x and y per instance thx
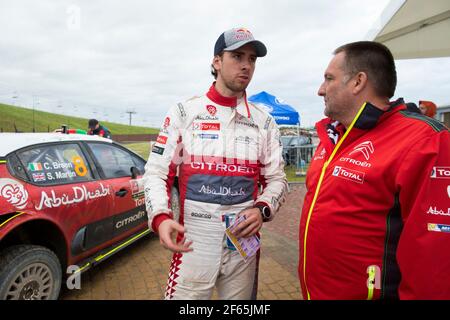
(178, 227)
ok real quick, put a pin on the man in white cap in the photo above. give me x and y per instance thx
(223, 148)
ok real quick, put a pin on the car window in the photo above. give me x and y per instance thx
(16, 168)
(139, 163)
(55, 164)
(114, 161)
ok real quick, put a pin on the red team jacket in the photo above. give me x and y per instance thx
(379, 224)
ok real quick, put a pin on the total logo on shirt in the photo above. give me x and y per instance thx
(440, 173)
(348, 174)
(206, 126)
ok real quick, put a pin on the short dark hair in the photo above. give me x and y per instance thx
(92, 123)
(213, 70)
(376, 60)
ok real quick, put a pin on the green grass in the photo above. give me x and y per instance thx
(43, 121)
(143, 149)
(292, 176)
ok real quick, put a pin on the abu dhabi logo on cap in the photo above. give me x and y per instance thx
(243, 34)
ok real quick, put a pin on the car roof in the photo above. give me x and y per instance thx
(10, 142)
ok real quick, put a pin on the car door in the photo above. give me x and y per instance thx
(114, 162)
(64, 187)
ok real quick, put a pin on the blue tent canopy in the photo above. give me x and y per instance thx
(282, 113)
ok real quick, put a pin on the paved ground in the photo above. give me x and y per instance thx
(140, 271)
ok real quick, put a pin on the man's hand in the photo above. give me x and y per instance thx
(251, 225)
(167, 231)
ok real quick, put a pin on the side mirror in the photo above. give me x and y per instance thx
(134, 172)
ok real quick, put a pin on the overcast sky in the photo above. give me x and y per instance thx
(103, 58)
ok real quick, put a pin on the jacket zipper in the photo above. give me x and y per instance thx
(316, 193)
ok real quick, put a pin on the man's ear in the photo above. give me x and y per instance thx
(359, 82)
(216, 62)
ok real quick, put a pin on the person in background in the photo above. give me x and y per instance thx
(427, 108)
(96, 129)
(375, 222)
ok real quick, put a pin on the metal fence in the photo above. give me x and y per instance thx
(299, 156)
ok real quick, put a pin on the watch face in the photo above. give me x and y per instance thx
(265, 211)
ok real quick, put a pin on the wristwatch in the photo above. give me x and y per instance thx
(265, 212)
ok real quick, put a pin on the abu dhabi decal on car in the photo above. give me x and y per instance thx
(79, 194)
(13, 192)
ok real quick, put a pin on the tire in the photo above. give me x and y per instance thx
(29, 272)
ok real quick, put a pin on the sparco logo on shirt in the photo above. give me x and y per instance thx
(201, 215)
(348, 174)
(440, 173)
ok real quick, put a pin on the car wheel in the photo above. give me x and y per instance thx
(29, 272)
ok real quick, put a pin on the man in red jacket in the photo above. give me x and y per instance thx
(376, 216)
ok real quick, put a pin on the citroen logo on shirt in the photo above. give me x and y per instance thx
(366, 148)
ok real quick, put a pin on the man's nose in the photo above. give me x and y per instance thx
(321, 91)
(245, 64)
